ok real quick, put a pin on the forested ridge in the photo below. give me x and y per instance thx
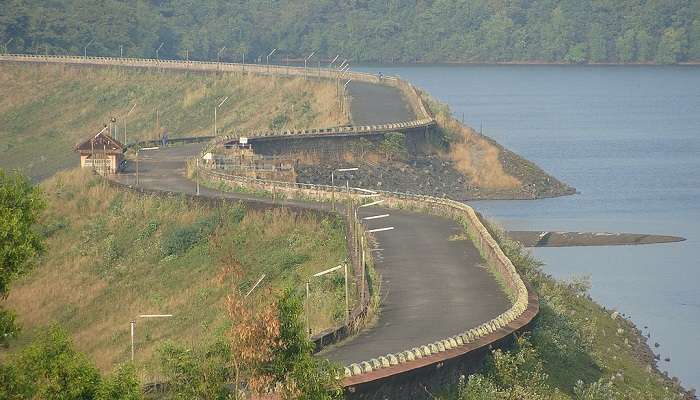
(570, 31)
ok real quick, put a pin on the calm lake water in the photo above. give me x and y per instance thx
(628, 138)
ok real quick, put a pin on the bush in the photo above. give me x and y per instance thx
(394, 145)
(180, 239)
(279, 121)
(123, 384)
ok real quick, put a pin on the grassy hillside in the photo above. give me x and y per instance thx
(112, 255)
(46, 109)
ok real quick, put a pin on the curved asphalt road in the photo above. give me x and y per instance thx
(433, 283)
(372, 104)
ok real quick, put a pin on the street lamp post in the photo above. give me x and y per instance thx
(7, 44)
(330, 66)
(306, 60)
(86, 46)
(121, 51)
(132, 324)
(126, 115)
(216, 132)
(333, 181)
(268, 59)
(218, 54)
(158, 49)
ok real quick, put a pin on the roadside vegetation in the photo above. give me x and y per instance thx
(576, 350)
(112, 255)
(46, 109)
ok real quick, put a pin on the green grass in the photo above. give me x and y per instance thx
(573, 339)
(46, 109)
(112, 255)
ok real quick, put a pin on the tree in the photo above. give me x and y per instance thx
(253, 338)
(671, 47)
(201, 373)
(50, 369)
(123, 384)
(625, 47)
(20, 243)
(645, 46)
(694, 41)
(394, 145)
(292, 364)
(597, 43)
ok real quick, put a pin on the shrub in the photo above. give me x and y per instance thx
(394, 145)
(179, 240)
(279, 121)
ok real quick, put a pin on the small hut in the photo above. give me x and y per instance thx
(101, 152)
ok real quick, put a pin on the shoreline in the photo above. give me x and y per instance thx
(526, 63)
(576, 239)
(645, 354)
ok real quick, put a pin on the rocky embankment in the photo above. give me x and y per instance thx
(436, 176)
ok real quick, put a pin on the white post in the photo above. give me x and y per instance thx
(133, 324)
(137, 167)
(362, 252)
(347, 299)
(197, 175)
(306, 305)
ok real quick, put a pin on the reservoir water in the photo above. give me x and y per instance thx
(628, 138)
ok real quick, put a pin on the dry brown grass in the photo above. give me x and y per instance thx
(475, 157)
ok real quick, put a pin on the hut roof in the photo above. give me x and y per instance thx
(100, 142)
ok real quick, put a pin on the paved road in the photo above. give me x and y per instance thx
(373, 104)
(432, 285)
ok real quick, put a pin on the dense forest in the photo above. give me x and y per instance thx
(569, 31)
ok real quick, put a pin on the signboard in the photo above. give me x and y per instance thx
(243, 140)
